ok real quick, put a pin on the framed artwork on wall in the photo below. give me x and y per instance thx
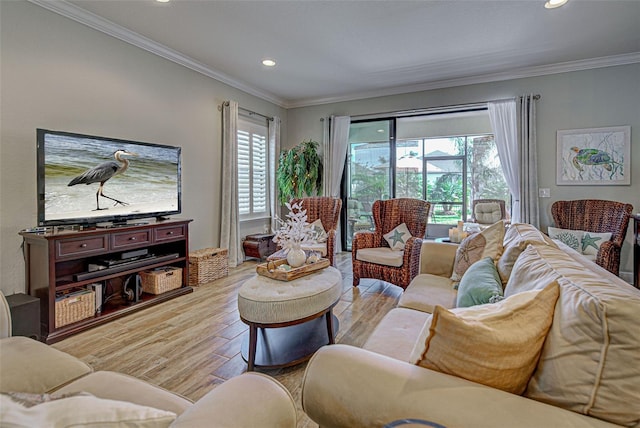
(594, 156)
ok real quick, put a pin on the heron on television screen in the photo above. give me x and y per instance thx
(102, 173)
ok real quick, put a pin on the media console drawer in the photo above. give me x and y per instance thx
(130, 239)
(170, 233)
(68, 248)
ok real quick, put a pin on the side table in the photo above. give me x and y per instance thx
(636, 250)
(25, 315)
(259, 245)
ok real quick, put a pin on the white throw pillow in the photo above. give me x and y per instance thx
(318, 230)
(591, 242)
(571, 238)
(77, 410)
(587, 243)
(398, 237)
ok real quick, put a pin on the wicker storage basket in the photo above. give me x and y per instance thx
(161, 280)
(74, 307)
(207, 265)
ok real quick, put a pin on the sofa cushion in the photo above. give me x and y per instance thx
(118, 386)
(398, 237)
(426, 291)
(589, 362)
(487, 243)
(516, 239)
(480, 284)
(497, 345)
(381, 256)
(81, 410)
(31, 366)
(437, 258)
(397, 333)
(530, 272)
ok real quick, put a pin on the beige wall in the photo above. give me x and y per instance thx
(61, 75)
(58, 74)
(585, 99)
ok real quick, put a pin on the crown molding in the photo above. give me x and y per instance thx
(78, 14)
(96, 22)
(520, 73)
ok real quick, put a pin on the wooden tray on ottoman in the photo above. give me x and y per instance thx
(270, 269)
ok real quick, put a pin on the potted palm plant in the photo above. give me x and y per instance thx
(299, 172)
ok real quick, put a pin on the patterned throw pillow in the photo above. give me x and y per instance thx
(587, 243)
(398, 237)
(487, 243)
(318, 230)
(571, 238)
(591, 242)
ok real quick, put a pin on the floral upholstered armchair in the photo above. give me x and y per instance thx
(600, 217)
(391, 252)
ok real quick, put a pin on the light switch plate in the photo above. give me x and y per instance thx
(544, 193)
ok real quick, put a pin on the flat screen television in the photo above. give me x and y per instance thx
(87, 180)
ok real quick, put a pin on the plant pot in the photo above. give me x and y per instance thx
(296, 257)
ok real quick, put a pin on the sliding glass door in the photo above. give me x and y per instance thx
(368, 173)
(449, 159)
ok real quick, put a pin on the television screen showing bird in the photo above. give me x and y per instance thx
(89, 179)
(102, 173)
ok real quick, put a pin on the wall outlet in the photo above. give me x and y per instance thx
(544, 193)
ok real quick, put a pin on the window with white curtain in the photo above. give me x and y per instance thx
(253, 169)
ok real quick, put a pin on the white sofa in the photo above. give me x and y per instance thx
(30, 367)
(588, 373)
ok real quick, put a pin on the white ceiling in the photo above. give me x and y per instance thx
(330, 51)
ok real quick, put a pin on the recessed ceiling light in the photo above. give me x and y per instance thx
(163, 1)
(268, 62)
(552, 4)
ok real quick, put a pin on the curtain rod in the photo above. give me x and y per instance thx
(437, 109)
(247, 111)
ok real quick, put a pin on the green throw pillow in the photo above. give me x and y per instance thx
(480, 284)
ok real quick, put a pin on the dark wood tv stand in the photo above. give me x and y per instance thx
(58, 261)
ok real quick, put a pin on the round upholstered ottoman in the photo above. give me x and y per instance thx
(294, 308)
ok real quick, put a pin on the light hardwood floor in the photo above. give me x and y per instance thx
(191, 344)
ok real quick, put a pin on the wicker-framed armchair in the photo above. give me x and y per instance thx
(386, 216)
(327, 209)
(600, 216)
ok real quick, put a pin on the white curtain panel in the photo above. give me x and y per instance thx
(229, 218)
(503, 116)
(338, 143)
(528, 161)
(274, 153)
(335, 152)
